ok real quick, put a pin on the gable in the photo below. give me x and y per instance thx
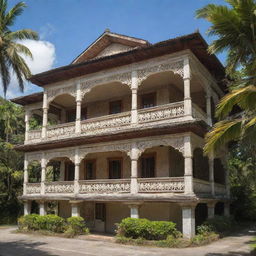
(114, 48)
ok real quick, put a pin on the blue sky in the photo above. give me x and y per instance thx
(67, 27)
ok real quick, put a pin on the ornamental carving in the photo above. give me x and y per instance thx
(159, 186)
(54, 92)
(59, 188)
(33, 188)
(69, 153)
(124, 78)
(175, 67)
(34, 157)
(106, 187)
(65, 130)
(34, 134)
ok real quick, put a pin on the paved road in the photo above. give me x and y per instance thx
(13, 244)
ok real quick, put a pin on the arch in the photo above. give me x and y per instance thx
(201, 213)
(200, 165)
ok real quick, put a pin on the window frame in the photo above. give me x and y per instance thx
(93, 161)
(148, 155)
(121, 166)
(67, 164)
(144, 95)
(111, 104)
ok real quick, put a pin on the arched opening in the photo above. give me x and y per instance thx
(107, 99)
(159, 89)
(201, 214)
(34, 172)
(219, 209)
(219, 171)
(200, 165)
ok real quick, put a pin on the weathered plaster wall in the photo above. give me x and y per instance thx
(64, 209)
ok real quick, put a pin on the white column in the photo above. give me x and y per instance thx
(45, 116)
(211, 173)
(134, 169)
(188, 166)
(227, 209)
(134, 111)
(25, 181)
(27, 207)
(211, 210)
(208, 107)
(188, 220)
(134, 209)
(75, 208)
(42, 208)
(27, 116)
(78, 108)
(43, 173)
(187, 95)
(77, 171)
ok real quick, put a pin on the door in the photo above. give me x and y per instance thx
(100, 217)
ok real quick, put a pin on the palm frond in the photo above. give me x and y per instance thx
(13, 13)
(22, 34)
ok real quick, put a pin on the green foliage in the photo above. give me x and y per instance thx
(218, 224)
(143, 228)
(76, 226)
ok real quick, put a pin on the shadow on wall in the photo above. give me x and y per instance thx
(23, 248)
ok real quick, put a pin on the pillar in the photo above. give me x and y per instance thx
(27, 116)
(208, 107)
(211, 173)
(188, 166)
(211, 209)
(134, 111)
(27, 207)
(77, 171)
(78, 108)
(134, 209)
(75, 208)
(25, 181)
(188, 220)
(43, 173)
(134, 169)
(227, 209)
(187, 95)
(45, 115)
(42, 208)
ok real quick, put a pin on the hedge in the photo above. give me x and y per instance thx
(221, 224)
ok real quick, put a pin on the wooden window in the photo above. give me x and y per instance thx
(69, 172)
(148, 166)
(100, 211)
(115, 168)
(71, 115)
(115, 107)
(90, 170)
(148, 100)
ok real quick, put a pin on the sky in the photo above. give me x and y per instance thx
(67, 27)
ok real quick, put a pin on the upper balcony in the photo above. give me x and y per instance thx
(114, 106)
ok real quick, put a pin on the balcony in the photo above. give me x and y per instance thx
(171, 112)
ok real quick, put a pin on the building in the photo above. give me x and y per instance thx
(119, 132)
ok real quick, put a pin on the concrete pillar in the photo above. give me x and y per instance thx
(77, 171)
(208, 107)
(187, 94)
(134, 111)
(27, 116)
(211, 173)
(188, 166)
(75, 208)
(134, 169)
(25, 176)
(43, 173)
(45, 115)
(42, 208)
(211, 210)
(27, 207)
(134, 209)
(188, 220)
(78, 108)
(227, 209)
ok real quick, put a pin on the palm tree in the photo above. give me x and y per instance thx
(10, 47)
(235, 27)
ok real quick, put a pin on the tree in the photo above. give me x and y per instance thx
(235, 27)
(11, 49)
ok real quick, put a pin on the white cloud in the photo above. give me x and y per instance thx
(43, 59)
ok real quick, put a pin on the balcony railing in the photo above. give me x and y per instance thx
(121, 121)
(202, 186)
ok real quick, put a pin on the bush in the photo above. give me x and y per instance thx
(220, 224)
(29, 222)
(76, 226)
(143, 228)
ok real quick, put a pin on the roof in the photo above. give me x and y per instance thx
(28, 99)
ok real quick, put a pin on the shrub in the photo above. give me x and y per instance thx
(144, 228)
(76, 226)
(173, 242)
(29, 222)
(52, 223)
(220, 224)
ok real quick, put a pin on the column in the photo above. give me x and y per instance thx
(188, 220)
(27, 116)
(134, 209)
(25, 181)
(134, 169)
(211, 209)
(45, 115)
(42, 208)
(227, 209)
(77, 171)
(43, 173)
(211, 173)
(187, 96)
(27, 207)
(75, 208)
(134, 111)
(188, 166)
(208, 107)
(78, 107)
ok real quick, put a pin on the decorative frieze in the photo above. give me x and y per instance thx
(63, 130)
(33, 188)
(59, 187)
(54, 92)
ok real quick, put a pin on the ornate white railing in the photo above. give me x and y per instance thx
(161, 185)
(61, 130)
(59, 187)
(199, 113)
(161, 112)
(104, 186)
(220, 189)
(106, 123)
(202, 186)
(33, 188)
(34, 135)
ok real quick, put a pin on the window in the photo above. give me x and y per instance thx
(100, 211)
(84, 113)
(71, 115)
(148, 100)
(148, 167)
(115, 169)
(90, 168)
(115, 107)
(69, 172)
